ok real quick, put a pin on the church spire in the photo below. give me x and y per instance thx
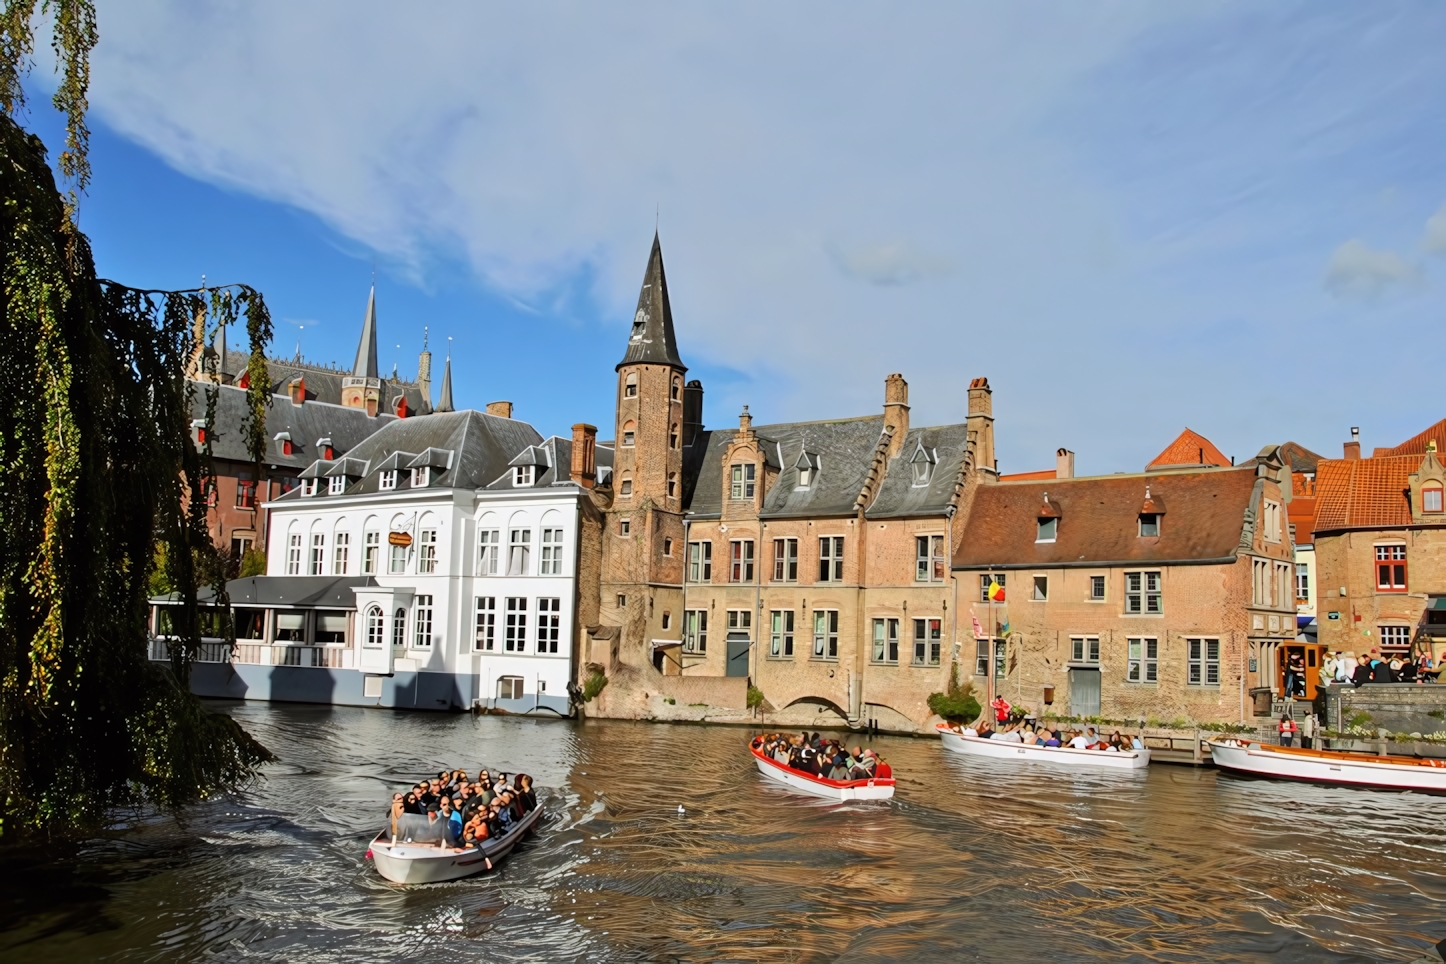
(366, 349)
(445, 404)
(652, 341)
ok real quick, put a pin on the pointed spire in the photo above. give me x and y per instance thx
(366, 349)
(445, 405)
(652, 340)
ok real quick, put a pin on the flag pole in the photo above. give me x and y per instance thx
(989, 642)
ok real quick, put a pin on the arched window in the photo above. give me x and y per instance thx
(376, 628)
(677, 389)
(1431, 498)
(399, 629)
(630, 385)
(630, 431)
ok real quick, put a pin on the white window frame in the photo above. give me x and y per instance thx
(825, 634)
(387, 480)
(1143, 654)
(1140, 597)
(422, 622)
(700, 561)
(489, 550)
(885, 650)
(695, 630)
(336, 485)
(1271, 515)
(830, 558)
(929, 558)
(781, 633)
(550, 557)
(316, 564)
(1202, 669)
(742, 480)
(522, 475)
(426, 551)
(340, 553)
(740, 560)
(514, 638)
(1084, 650)
(293, 554)
(986, 578)
(519, 552)
(484, 639)
(421, 477)
(308, 487)
(928, 640)
(549, 625)
(1103, 584)
(1039, 589)
(375, 634)
(1302, 582)
(1047, 530)
(371, 552)
(397, 559)
(785, 560)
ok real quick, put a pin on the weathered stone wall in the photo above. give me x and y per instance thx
(1398, 707)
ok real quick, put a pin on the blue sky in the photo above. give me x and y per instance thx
(1130, 216)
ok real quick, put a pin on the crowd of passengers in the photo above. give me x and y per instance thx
(472, 812)
(1041, 734)
(817, 757)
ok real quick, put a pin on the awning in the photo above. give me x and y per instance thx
(1436, 602)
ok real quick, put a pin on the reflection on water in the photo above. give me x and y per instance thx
(972, 860)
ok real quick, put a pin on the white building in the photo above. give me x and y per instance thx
(433, 566)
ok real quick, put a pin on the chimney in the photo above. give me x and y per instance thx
(692, 411)
(896, 412)
(981, 424)
(745, 423)
(1064, 464)
(501, 409)
(584, 454)
(1353, 447)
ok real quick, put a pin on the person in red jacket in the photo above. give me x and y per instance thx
(1287, 730)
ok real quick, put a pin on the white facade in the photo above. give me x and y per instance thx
(480, 584)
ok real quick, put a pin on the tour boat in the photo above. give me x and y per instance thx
(421, 863)
(1030, 753)
(879, 788)
(1329, 766)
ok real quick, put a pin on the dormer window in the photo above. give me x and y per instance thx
(283, 442)
(743, 479)
(630, 385)
(1431, 498)
(807, 466)
(421, 477)
(805, 477)
(324, 447)
(336, 485)
(388, 480)
(522, 475)
(1048, 528)
(1149, 524)
(308, 487)
(923, 465)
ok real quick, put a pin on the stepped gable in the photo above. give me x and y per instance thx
(346, 427)
(1099, 520)
(1189, 448)
(652, 340)
(1364, 493)
(941, 450)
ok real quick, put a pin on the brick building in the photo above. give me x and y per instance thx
(808, 558)
(1162, 594)
(1380, 544)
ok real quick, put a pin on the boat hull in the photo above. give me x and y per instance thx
(1327, 766)
(1056, 756)
(837, 790)
(417, 864)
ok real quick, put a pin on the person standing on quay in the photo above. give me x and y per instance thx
(1287, 729)
(1307, 731)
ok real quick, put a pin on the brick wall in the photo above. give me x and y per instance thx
(1346, 560)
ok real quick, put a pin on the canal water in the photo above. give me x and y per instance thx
(972, 861)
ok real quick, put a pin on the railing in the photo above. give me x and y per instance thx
(207, 652)
(261, 654)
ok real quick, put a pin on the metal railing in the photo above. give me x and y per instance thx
(208, 652)
(260, 654)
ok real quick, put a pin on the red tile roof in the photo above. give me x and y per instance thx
(1416, 445)
(1364, 493)
(1191, 448)
(1099, 520)
(1029, 476)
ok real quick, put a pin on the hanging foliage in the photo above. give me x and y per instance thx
(99, 479)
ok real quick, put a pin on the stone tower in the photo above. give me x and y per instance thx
(643, 548)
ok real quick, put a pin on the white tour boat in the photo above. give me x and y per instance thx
(879, 788)
(410, 862)
(1027, 753)
(1329, 766)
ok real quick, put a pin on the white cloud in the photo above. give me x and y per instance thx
(1435, 240)
(1357, 271)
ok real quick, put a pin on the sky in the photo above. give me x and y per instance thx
(1131, 217)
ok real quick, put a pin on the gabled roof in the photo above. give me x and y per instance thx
(652, 340)
(1099, 520)
(1189, 448)
(1364, 493)
(346, 427)
(323, 384)
(897, 495)
(1416, 444)
(1299, 458)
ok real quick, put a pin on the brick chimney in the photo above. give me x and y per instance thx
(896, 412)
(745, 424)
(584, 454)
(502, 409)
(692, 411)
(1064, 464)
(1353, 447)
(981, 424)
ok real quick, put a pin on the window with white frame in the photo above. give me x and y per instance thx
(780, 639)
(318, 553)
(522, 475)
(695, 631)
(514, 639)
(1149, 524)
(928, 558)
(1097, 588)
(399, 629)
(387, 480)
(1144, 655)
(427, 551)
(519, 552)
(551, 556)
(489, 548)
(742, 480)
(830, 558)
(886, 641)
(785, 560)
(485, 639)
(740, 620)
(1047, 530)
(293, 554)
(825, 634)
(1041, 588)
(398, 563)
(1084, 649)
(928, 641)
(336, 485)
(421, 477)
(700, 562)
(510, 688)
(422, 623)
(984, 582)
(308, 487)
(1395, 640)
(1142, 593)
(1302, 582)
(376, 628)
(1431, 498)
(371, 552)
(340, 553)
(981, 657)
(741, 568)
(1203, 662)
(1391, 568)
(549, 625)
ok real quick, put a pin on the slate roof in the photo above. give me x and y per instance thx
(322, 384)
(1364, 493)
(1299, 458)
(1189, 448)
(1416, 444)
(1099, 520)
(652, 340)
(481, 447)
(898, 496)
(366, 348)
(346, 427)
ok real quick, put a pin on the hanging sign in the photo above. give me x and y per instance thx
(399, 538)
